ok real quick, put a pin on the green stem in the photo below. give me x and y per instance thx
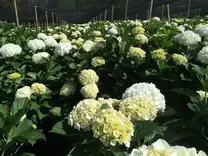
(18, 148)
(7, 142)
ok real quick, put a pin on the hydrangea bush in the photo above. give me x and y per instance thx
(136, 88)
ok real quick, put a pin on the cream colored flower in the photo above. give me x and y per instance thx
(90, 91)
(88, 77)
(38, 88)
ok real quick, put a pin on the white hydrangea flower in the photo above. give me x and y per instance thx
(88, 76)
(88, 46)
(202, 30)
(56, 36)
(36, 44)
(82, 115)
(188, 38)
(24, 92)
(203, 55)
(42, 36)
(50, 30)
(162, 148)
(10, 50)
(62, 49)
(50, 42)
(180, 28)
(62, 36)
(89, 91)
(146, 90)
(156, 19)
(40, 58)
(141, 39)
(113, 31)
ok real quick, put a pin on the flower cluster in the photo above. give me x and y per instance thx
(36, 44)
(159, 55)
(67, 89)
(89, 91)
(88, 77)
(112, 127)
(162, 148)
(179, 59)
(141, 39)
(38, 88)
(82, 115)
(202, 30)
(148, 90)
(136, 53)
(10, 50)
(138, 108)
(14, 76)
(138, 30)
(188, 38)
(62, 49)
(203, 55)
(98, 61)
(40, 58)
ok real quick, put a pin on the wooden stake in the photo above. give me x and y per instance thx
(150, 10)
(36, 17)
(112, 13)
(126, 9)
(168, 8)
(52, 15)
(189, 7)
(106, 11)
(16, 13)
(162, 13)
(46, 16)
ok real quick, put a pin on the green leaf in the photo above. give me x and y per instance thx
(4, 110)
(32, 75)
(186, 92)
(193, 107)
(26, 154)
(2, 120)
(104, 106)
(58, 128)
(34, 135)
(56, 111)
(150, 72)
(23, 126)
(205, 84)
(144, 128)
(19, 104)
(26, 131)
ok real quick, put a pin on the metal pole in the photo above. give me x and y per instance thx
(100, 16)
(112, 13)
(195, 12)
(57, 22)
(16, 13)
(36, 17)
(199, 11)
(168, 8)
(147, 14)
(126, 10)
(29, 24)
(52, 14)
(46, 15)
(162, 14)
(106, 11)
(150, 10)
(96, 18)
(189, 7)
